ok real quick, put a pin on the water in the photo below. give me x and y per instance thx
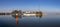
(45, 21)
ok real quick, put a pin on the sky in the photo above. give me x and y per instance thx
(30, 5)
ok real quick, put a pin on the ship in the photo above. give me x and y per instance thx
(26, 13)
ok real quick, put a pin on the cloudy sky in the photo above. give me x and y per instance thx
(43, 5)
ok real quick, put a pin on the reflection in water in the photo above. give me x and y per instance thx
(18, 14)
(15, 16)
(51, 21)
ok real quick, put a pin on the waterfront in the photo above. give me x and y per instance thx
(44, 21)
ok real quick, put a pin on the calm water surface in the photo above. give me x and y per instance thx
(44, 21)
